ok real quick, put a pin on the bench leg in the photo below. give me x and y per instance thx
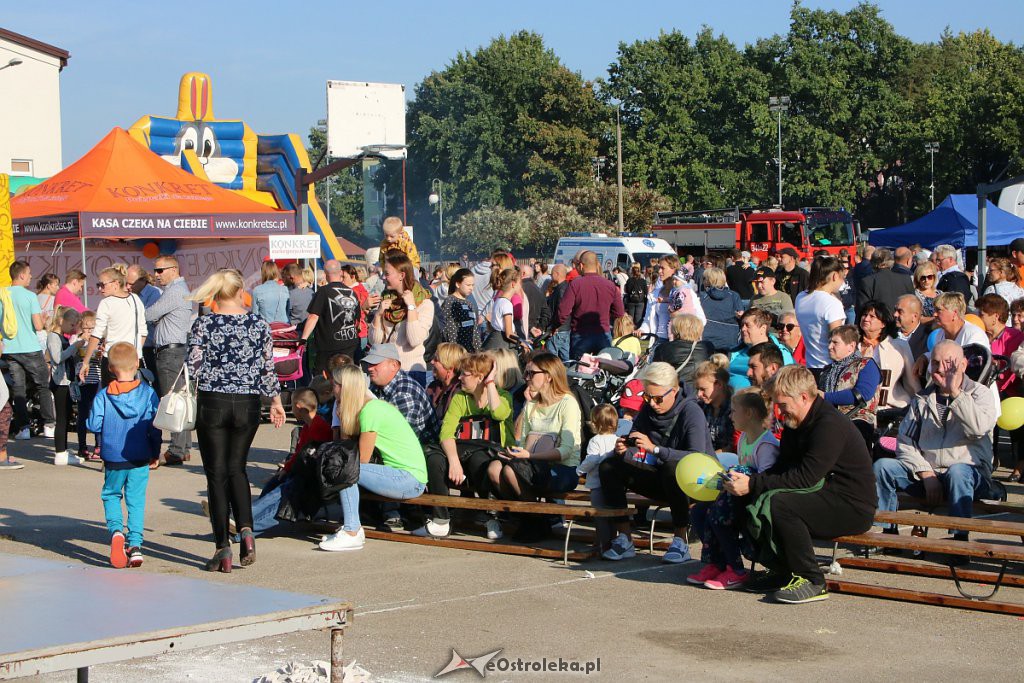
(83, 675)
(565, 548)
(337, 656)
(995, 589)
(650, 535)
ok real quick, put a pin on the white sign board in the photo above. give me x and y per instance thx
(365, 114)
(294, 246)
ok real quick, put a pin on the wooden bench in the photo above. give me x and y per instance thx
(1001, 554)
(571, 513)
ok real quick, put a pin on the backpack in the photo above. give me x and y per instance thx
(319, 473)
(635, 294)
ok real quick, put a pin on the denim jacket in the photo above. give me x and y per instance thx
(270, 302)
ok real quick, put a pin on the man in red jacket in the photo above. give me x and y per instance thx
(591, 303)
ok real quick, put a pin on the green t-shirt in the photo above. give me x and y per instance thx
(26, 304)
(397, 443)
(464, 405)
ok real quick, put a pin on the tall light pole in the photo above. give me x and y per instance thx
(778, 105)
(932, 148)
(618, 159)
(436, 197)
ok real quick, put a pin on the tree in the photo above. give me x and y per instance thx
(501, 127)
(693, 119)
(842, 72)
(481, 231)
(599, 206)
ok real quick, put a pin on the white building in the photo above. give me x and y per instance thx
(30, 137)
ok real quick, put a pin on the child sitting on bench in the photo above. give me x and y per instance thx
(758, 450)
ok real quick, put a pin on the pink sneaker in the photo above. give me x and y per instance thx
(727, 580)
(706, 574)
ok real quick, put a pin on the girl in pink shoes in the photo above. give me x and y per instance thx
(720, 521)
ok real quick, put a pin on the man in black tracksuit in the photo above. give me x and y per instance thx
(819, 444)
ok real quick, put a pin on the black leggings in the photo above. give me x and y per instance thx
(62, 407)
(89, 392)
(474, 460)
(225, 427)
(618, 476)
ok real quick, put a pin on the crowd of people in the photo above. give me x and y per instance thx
(420, 383)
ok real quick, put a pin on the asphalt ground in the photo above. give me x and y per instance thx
(415, 604)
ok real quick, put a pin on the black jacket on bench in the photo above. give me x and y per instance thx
(825, 446)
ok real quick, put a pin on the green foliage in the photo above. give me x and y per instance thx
(599, 205)
(511, 131)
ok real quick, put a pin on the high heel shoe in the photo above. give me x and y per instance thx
(247, 547)
(221, 561)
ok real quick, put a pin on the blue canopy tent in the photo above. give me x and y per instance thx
(955, 222)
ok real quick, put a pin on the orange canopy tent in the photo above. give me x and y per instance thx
(121, 190)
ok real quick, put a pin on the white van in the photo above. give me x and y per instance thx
(622, 251)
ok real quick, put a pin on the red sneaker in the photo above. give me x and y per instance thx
(701, 578)
(727, 580)
(118, 557)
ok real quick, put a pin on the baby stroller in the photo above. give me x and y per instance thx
(288, 356)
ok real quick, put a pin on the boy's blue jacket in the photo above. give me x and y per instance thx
(124, 422)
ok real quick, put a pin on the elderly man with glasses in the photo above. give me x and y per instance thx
(171, 318)
(668, 427)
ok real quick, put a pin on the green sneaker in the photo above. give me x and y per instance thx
(799, 591)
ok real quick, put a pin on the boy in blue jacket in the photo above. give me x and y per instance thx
(122, 415)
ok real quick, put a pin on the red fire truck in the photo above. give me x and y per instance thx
(762, 232)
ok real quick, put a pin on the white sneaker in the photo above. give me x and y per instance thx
(23, 435)
(494, 531)
(677, 553)
(622, 548)
(342, 540)
(63, 458)
(48, 431)
(435, 529)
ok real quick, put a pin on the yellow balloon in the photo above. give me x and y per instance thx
(1012, 416)
(696, 476)
(974, 320)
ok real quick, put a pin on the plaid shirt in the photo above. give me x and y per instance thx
(406, 394)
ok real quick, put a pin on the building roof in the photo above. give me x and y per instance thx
(37, 45)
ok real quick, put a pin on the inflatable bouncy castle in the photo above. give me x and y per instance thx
(229, 154)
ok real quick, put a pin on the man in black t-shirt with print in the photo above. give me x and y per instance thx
(334, 316)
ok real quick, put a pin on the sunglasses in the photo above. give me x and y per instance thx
(160, 270)
(530, 373)
(101, 284)
(788, 327)
(657, 400)
(926, 277)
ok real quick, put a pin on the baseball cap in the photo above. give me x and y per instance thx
(790, 251)
(1017, 244)
(381, 352)
(632, 395)
(763, 272)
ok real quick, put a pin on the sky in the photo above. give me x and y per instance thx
(270, 61)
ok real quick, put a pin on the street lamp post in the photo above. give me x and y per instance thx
(932, 148)
(618, 159)
(15, 61)
(778, 105)
(436, 197)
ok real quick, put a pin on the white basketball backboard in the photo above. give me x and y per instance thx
(364, 117)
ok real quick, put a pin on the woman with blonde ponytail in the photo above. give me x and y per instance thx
(231, 355)
(120, 317)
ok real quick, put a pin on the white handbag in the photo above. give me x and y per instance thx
(177, 410)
